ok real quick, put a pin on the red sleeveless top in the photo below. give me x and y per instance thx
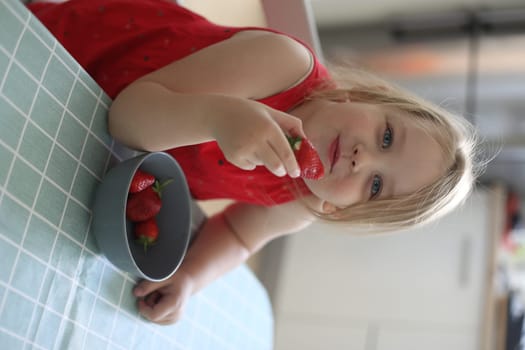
(119, 41)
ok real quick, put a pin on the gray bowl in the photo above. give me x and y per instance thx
(114, 233)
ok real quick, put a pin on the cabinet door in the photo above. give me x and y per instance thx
(314, 334)
(428, 339)
(432, 275)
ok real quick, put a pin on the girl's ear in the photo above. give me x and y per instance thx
(328, 208)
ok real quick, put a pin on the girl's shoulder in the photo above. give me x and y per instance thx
(279, 54)
(253, 64)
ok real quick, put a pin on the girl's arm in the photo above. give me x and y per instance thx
(225, 241)
(209, 95)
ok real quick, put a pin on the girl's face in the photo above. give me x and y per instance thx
(369, 152)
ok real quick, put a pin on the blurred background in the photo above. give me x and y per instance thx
(458, 284)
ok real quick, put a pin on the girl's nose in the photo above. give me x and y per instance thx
(360, 158)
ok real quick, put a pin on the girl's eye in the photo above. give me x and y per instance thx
(388, 137)
(377, 184)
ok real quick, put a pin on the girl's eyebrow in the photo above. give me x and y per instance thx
(388, 186)
(399, 135)
(398, 147)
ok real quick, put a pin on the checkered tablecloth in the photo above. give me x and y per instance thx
(56, 289)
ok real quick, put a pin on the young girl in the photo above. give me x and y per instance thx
(221, 100)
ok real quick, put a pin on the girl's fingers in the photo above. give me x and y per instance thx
(152, 298)
(267, 145)
(272, 162)
(157, 307)
(246, 164)
(277, 156)
(144, 288)
(281, 150)
(170, 318)
(291, 125)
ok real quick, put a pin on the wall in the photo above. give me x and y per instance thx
(332, 13)
(229, 12)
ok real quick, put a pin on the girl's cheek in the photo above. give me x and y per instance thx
(347, 193)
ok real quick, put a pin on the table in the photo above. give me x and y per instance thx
(56, 289)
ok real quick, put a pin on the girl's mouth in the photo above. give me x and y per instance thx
(334, 153)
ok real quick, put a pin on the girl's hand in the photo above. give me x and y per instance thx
(255, 134)
(164, 302)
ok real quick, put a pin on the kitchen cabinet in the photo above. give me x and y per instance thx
(422, 288)
(428, 339)
(313, 335)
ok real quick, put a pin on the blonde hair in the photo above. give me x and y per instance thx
(455, 135)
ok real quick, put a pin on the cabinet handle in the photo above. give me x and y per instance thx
(465, 251)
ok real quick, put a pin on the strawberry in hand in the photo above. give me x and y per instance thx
(141, 180)
(307, 157)
(146, 233)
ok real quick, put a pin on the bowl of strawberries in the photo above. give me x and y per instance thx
(142, 216)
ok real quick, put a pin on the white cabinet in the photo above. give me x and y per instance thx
(315, 335)
(418, 289)
(428, 339)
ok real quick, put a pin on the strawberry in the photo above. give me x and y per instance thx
(145, 204)
(141, 180)
(146, 233)
(307, 157)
